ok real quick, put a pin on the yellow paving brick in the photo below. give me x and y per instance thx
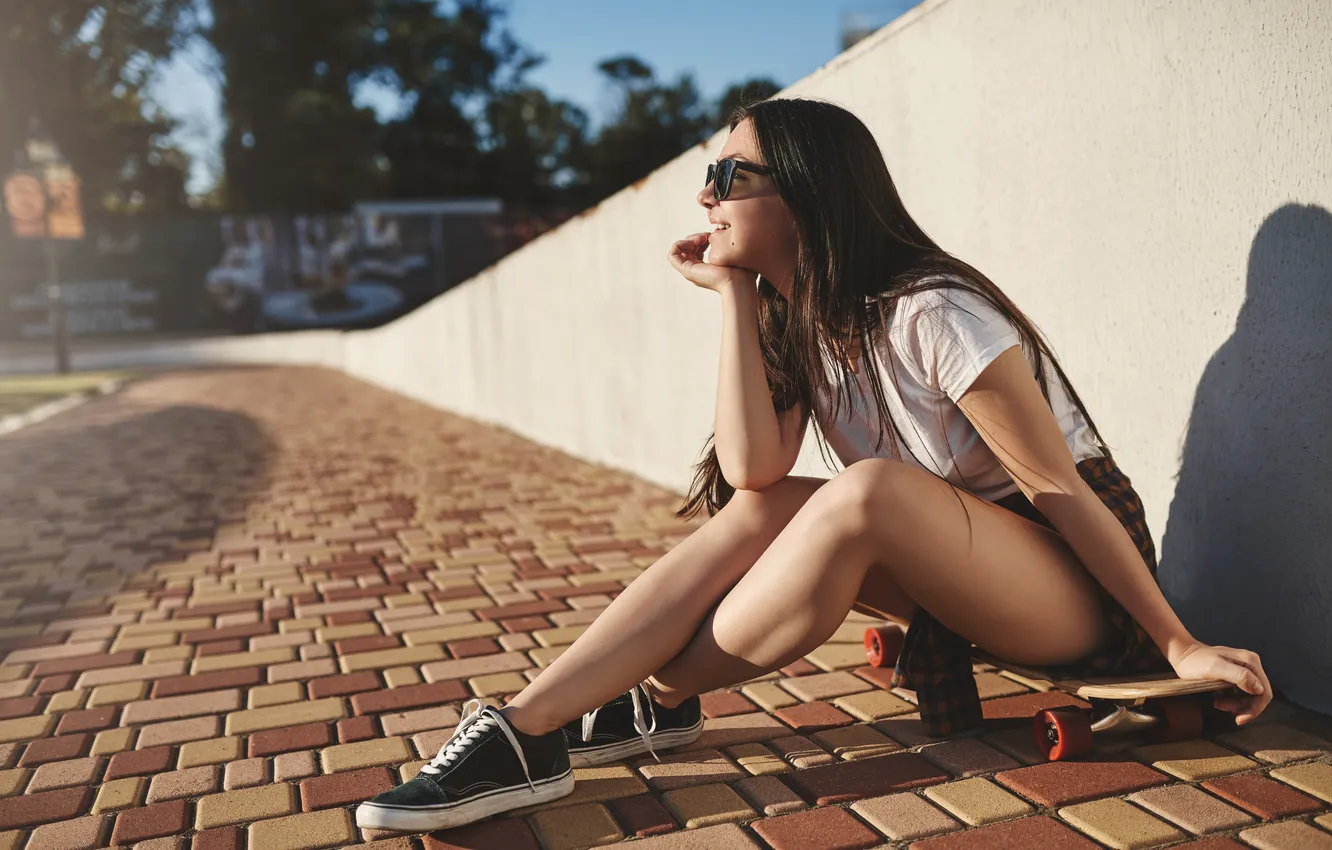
(66, 701)
(159, 639)
(168, 653)
(977, 801)
(245, 805)
(407, 772)
(266, 695)
(1315, 779)
(874, 705)
(706, 805)
(13, 840)
(27, 728)
(111, 741)
(361, 754)
(391, 658)
(768, 695)
(300, 625)
(542, 656)
(117, 694)
(758, 760)
(466, 603)
(1289, 835)
(211, 751)
(292, 714)
(328, 634)
(310, 831)
(594, 785)
(404, 600)
(13, 672)
(575, 827)
(439, 634)
(499, 683)
(166, 626)
(232, 660)
(13, 782)
(399, 677)
(581, 579)
(119, 794)
(1193, 760)
(832, 657)
(1120, 824)
(856, 742)
(203, 599)
(558, 637)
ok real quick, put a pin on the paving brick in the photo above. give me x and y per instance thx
(1191, 808)
(1290, 835)
(341, 789)
(1034, 832)
(1065, 782)
(1315, 779)
(55, 749)
(26, 728)
(179, 685)
(82, 663)
(904, 816)
(163, 819)
(344, 684)
(977, 801)
(244, 806)
(89, 720)
(757, 759)
(1266, 798)
(222, 838)
(642, 815)
(1027, 706)
(1016, 743)
(967, 757)
(725, 704)
(831, 828)
(1275, 743)
(46, 807)
(475, 646)
(314, 663)
(269, 695)
(245, 773)
(309, 831)
(873, 705)
(295, 766)
(120, 794)
(575, 827)
(411, 722)
(139, 763)
(181, 784)
(505, 834)
(179, 731)
(175, 708)
(813, 717)
(354, 729)
(595, 785)
(1193, 760)
(459, 631)
(1120, 824)
(725, 837)
(64, 774)
(856, 780)
(412, 696)
(85, 833)
(706, 805)
(832, 656)
(466, 668)
(498, 683)
(307, 736)
(277, 716)
(769, 795)
(365, 754)
(825, 686)
(679, 770)
(13, 781)
(400, 677)
(738, 729)
(130, 673)
(855, 742)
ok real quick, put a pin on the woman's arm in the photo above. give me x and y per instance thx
(1005, 405)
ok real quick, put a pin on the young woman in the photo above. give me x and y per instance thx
(978, 503)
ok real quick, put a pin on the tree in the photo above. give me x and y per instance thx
(77, 69)
(742, 94)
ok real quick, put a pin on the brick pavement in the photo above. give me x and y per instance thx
(234, 603)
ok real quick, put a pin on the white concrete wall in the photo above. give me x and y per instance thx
(1149, 181)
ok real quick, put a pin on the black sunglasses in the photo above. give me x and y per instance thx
(720, 174)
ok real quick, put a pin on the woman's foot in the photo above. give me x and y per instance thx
(486, 767)
(631, 724)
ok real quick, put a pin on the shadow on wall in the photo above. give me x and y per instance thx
(1246, 558)
(96, 496)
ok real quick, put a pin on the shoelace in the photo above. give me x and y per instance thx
(474, 723)
(590, 719)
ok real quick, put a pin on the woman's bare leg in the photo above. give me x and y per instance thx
(1009, 585)
(658, 613)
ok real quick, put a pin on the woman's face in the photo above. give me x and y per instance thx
(757, 231)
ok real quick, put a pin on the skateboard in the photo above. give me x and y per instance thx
(1166, 707)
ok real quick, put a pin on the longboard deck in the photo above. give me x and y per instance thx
(1147, 686)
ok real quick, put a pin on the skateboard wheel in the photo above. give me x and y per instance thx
(1179, 720)
(883, 644)
(1062, 733)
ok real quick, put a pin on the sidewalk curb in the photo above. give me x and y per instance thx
(14, 422)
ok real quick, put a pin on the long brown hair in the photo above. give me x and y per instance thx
(858, 252)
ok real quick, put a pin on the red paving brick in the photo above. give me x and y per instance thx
(223, 505)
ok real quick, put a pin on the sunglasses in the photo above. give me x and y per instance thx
(720, 174)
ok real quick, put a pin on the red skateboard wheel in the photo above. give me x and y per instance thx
(1181, 718)
(1062, 733)
(883, 644)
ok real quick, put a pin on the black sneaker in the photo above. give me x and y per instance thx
(485, 767)
(629, 725)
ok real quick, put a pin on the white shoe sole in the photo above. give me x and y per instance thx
(634, 746)
(427, 818)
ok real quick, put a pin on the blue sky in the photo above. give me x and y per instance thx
(720, 43)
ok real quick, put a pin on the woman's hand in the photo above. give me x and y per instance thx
(1238, 666)
(687, 258)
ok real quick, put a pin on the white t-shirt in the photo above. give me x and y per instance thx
(941, 340)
